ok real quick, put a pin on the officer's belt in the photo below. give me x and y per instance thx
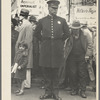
(49, 38)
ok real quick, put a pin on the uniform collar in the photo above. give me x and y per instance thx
(49, 16)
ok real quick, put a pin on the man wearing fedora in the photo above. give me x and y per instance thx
(26, 35)
(78, 51)
(52, 31)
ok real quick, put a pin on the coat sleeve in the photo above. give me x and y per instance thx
(29, 35)
(17, 56)
(25, 62)
(65, 30)
(21, 33)
(89, 50)
(38, 29)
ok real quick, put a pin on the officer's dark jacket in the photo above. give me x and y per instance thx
(52, 33)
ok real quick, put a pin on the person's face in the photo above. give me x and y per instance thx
(76, 33)
(21, 47)
(32, 23)
(21, 17)
(52, 10)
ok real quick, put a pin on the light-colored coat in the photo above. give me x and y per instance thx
(52, 50)
(26, 35)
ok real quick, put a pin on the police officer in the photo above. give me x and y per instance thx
(52, 31)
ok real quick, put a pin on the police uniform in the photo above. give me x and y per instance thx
(52, 32)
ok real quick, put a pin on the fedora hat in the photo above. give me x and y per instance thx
(24, 12)
(53, 1)
(76, 25)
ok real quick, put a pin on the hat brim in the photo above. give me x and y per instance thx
(24, 14)
(75, 27)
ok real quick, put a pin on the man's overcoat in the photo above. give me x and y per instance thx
(86, 41)
(52, 37)
(87, 44)
(26, 35)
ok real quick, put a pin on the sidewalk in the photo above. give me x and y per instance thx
(35, 91)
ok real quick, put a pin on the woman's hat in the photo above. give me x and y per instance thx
(76, 24)
(53, 1)
(32, 18)
(24, 12)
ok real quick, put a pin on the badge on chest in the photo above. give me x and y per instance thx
(59, 22)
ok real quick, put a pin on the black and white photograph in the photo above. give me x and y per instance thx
(52, 50)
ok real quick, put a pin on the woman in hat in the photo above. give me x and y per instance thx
(78, 50)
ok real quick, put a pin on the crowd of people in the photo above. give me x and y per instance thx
(66, 54)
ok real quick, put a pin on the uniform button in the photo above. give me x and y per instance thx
(52, 37)
(52, 34)
(52, 26)
(52, 31)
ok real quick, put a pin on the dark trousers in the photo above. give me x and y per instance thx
(51, 80)
(78, 74)
(67, 75)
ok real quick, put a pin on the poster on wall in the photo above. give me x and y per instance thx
(86, 13)
(31, 5)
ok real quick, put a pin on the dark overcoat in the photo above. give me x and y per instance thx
(86, 41)
(52, 49)
(14, 37)
(21, 58)
(87, 44)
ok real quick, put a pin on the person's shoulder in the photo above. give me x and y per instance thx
(86, 32)
(14, 31)
(28, 24)
(60, 18)
(44, 18)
